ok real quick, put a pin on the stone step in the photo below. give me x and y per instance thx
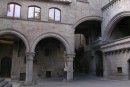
(3, 83)
(8, 85)
(1, 79)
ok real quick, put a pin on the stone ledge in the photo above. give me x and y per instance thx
(109, 4)
(67, 2)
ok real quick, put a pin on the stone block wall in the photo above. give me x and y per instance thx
(50, 59)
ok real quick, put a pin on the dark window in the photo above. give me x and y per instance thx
(48, 74)
(119, 69)
(54, 14)
(22, 76)
(13, 10)
(34, 12)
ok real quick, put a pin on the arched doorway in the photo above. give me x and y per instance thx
(49, 60)
(6, 64)
(12, 55)
(86, 33)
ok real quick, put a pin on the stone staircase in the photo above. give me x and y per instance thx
(4, 83)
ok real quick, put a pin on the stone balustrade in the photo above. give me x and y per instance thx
(97, 42)
(116, 46)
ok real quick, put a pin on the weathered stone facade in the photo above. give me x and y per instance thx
(87, 39)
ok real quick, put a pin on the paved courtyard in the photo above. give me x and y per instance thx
(86, 81)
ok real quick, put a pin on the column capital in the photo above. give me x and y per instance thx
(29, 56)
(70, 55)
(30, 53)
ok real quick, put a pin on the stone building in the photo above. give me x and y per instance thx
(42, 39)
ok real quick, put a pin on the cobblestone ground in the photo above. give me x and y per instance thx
(87, 81)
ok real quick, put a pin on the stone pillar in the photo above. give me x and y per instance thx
(29, 68)
(70, 66)
(93, 66)
(105, 68)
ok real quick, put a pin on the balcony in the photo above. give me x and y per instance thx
(119, 44)
(97, 42)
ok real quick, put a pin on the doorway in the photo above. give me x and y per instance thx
(129, 69)
(6, 64)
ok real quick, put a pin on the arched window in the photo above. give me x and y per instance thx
(54, 14)
(34, 12)
(13, 10)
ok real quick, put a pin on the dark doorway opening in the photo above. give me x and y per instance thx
(99, 64)
(129, 69)
(6, 64)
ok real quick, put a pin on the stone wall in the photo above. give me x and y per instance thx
(113, 61)
(49, 57)
(115, 57)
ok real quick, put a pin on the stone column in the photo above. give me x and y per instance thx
(105, 70)
(29, 68)
(70, 66)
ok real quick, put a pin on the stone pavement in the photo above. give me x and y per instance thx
(88, 81)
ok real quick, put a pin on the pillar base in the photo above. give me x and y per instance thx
(69, 80)
(28, 83)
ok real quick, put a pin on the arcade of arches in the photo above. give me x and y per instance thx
(49, 59)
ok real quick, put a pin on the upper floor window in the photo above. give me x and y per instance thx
(13, 10)
(34, 12)
(54, 14)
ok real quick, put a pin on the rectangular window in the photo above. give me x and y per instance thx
(30, 13)
(119, 69)
(10, 10)
(48, 74)
(51, 14)
(37, 13)
(34, 13)
(57, 15)
(54, 14)
(13, 10)
(17, 11)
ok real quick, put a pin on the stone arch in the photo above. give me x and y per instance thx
(112, 23)
(85, 19)
(54, 35)
(19, 34)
